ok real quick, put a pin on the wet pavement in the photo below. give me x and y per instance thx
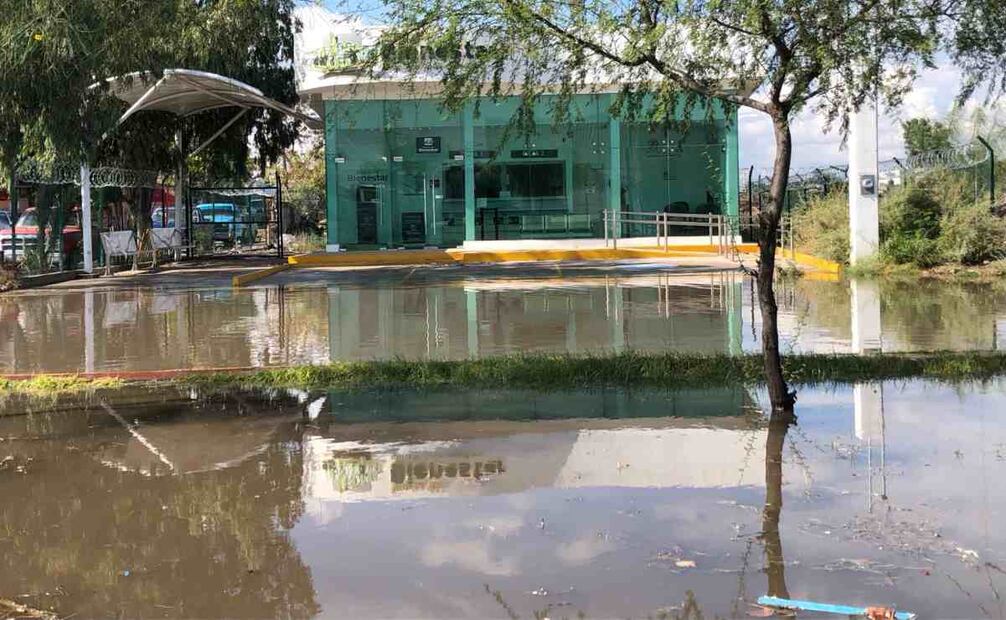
(457, 312)
(609, 503)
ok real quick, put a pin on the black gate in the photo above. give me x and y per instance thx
(235, 221)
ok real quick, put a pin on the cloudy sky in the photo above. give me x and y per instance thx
(932, 97)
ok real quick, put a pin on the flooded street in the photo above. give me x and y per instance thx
(609, 503)
(442, 314)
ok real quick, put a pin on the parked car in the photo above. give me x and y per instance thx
(26, 231)
(224, 218)
(4, 221)
(158, 218)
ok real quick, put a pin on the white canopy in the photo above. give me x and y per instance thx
(182, 92)
(186, 92)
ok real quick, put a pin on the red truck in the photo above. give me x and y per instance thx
(26, 232)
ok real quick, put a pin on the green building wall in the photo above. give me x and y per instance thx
(408, 173)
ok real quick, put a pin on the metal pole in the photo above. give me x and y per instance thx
(181, 210)
(279, 215)
(750, 197)
(12, 194)
(85, 217)
(992, 170)
(604, 215)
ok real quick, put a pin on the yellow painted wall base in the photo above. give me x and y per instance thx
(454, 256)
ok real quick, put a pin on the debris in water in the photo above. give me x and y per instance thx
(539, 592)
(968, 556)
(685, 563)
(873, 613)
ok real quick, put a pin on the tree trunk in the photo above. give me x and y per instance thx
(768, 223)
(775, 563)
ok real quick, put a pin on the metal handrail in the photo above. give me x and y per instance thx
(714, 223)
(723, 230)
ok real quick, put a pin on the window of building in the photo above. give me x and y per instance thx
(533, 180)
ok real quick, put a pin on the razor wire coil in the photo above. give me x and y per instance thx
(41, 173)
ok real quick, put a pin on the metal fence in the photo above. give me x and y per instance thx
(232, 221)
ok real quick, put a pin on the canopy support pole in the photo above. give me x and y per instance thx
(180, 223)
(85, 216)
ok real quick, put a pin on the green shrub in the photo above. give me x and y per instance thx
(972, 235)
(910, 212)
(822, 226)
(911, 250)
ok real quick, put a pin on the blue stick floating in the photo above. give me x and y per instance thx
(843, 610)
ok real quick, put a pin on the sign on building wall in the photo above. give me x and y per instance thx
(476, 154)
(428, 144)
(535, 154)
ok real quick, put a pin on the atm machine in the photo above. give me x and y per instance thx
(368, 199)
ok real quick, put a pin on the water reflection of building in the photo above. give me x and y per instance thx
(697, 312)
(475, 452)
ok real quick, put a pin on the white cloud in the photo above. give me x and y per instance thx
(932, 96)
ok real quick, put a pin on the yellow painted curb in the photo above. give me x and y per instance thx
(801, 259)
(365, 259)
(458, 255)
(243, 280)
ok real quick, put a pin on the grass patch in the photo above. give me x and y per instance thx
(56, 385)
(672, 371)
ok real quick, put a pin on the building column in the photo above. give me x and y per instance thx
(864, 218)
(331, 178)
(468, 121)
(731, 176)
(615, 165)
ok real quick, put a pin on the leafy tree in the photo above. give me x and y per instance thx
(923, 134)
(303, 178)
(774, 56)
(52, 51)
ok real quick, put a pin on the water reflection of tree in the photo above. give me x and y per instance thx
(86, 538)
(775, 565)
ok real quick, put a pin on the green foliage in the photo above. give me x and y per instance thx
(910, 212)
(9, 279)
(52, 51)
(822, 226)
(303, 178)
(922, 135)
(972, 235)
(911, 249)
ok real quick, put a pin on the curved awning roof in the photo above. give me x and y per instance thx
(186, 92)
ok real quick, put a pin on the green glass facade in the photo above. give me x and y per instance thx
(408, 173)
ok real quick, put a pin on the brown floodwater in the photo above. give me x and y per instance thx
(436, 314)
(609, 503)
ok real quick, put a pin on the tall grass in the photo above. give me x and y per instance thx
(672, 371)
(934, 220)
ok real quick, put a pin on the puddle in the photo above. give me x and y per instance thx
(424, 317)
(613, 503)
